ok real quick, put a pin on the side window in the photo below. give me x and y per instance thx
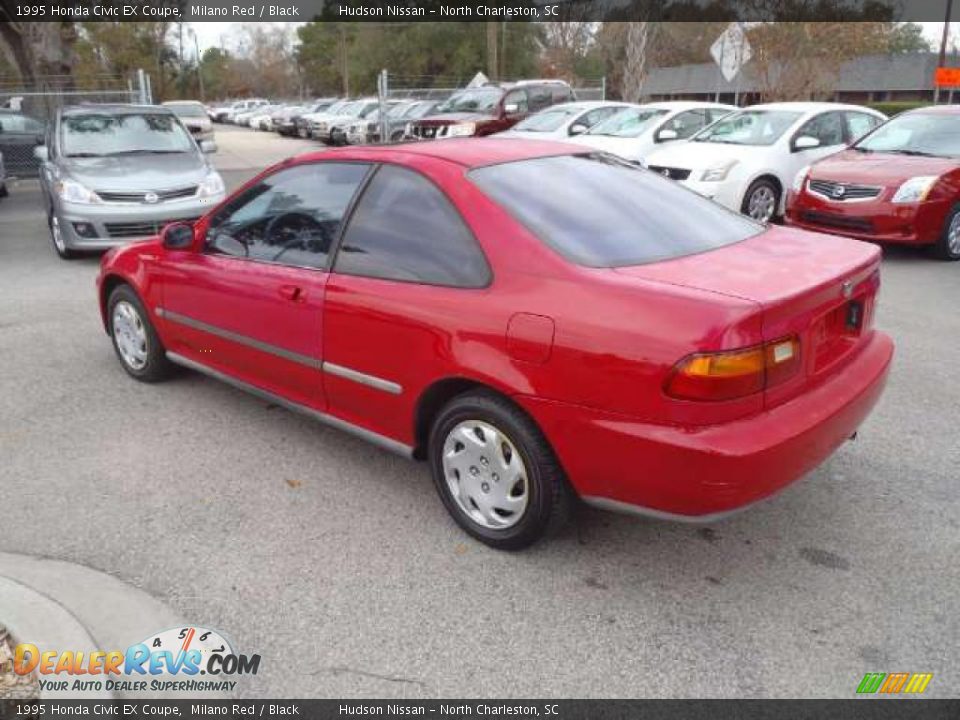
(518, 98)
(561, 94)
(860, 124)
(539, 98)
(687, 123)
(291, 217)
(594, 116)
(404, 228)
(828, 128)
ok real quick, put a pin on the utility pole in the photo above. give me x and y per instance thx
(196, 46)
(943, 47)
(492, 64)
(344, 65)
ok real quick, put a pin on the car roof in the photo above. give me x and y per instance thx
(687, 105)
(587, 105)
(114, 108)
(468, 152)
(807, 107)
(183, 102)
(936, 110)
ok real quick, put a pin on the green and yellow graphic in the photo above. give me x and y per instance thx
(893, 683)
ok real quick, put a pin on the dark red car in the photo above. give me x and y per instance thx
(536, 321)
(900, 184)
(489, 109)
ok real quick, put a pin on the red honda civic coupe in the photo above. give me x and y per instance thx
(900, 184)
(535, 321)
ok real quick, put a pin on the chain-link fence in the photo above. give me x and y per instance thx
(27, 108)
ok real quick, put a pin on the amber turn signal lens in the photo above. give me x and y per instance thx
(734, 373)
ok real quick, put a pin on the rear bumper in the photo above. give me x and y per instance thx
(701, 473)
(873, 221)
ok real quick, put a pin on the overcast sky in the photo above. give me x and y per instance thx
(218, 34)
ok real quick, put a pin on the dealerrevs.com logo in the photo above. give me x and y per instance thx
(171, 661)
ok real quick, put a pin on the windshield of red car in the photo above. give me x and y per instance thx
(599, 211)
(916, 134)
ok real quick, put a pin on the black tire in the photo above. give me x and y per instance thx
(761, 187)
(3, 190)
(57, 242)
(549, 500)
(944, 249)
(156, 366)
(303, 133)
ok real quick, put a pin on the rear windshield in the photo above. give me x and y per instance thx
(599, 211)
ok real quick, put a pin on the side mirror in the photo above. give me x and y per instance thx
(666, 135)
(41, 153)
(178, 236)
(208, 146)
(805, 142)
(511, 108)
(578, 129)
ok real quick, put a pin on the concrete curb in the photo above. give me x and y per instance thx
(92, 611)
(35, 618)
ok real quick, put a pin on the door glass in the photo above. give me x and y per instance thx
(827, 128)
(687, 123)
(518, 98)
(291, 217)
(404, 228)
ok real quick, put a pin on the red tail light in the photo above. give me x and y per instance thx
(734, 373)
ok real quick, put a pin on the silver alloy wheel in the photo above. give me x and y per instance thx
(57, 234)
(953, 235)
(130, 334)
(485, 474)
(762, 204)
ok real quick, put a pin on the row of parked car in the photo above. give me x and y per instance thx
(831, 167)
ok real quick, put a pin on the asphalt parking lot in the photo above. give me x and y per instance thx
(337, 563)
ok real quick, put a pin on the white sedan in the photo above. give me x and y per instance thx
(638, 130)
(747, 160)
(561, 122)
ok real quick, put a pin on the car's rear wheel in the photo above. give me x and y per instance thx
(761, 200)
(948, 246)
(303, 132)
(135, 340)
(3, 190)
(496, 473)
(57, 238)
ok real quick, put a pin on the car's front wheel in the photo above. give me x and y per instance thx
(496, 473)
(135, 340)
(3, 190)
(57, 238)
(948, 245)
(761, 200)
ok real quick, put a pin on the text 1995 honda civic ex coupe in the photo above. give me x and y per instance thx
(536, 321)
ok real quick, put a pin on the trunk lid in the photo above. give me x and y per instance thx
(820, 288)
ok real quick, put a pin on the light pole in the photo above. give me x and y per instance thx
(943, 48)
(196, 45)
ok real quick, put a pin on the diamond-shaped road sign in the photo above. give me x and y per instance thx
(731, 51)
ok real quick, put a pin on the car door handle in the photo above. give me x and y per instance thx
(293, 293)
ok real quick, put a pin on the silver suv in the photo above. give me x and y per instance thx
(112, 174)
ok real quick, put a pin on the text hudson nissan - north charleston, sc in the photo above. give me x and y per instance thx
(535, 320)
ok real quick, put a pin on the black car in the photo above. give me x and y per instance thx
(19, 135)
